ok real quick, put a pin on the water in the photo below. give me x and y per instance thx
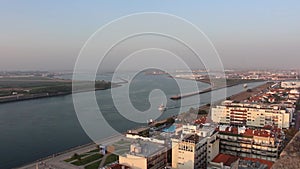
(34, 129)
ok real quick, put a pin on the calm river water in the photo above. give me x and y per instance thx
(33, 129)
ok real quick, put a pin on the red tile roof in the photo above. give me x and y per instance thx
(261, 133)
(201, 120)
(227, 160)
(266, 132)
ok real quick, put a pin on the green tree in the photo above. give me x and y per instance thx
(76, 156)
(170, 120)
(202, 112)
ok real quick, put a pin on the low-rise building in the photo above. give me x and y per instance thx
(225, 161)
(145, 155)
(290, 84)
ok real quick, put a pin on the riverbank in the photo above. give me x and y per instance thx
(56, 160)
(23, 97)
(228, 81)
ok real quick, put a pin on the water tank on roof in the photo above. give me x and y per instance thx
(135, 148)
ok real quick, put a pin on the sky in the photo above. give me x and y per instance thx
(48, 35)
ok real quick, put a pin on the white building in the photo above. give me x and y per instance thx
(249, 114)
(191, 150)
(290, 84)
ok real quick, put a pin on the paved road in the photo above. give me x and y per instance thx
(56, 161)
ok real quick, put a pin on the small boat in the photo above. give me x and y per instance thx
(162, 107)
(245, 85)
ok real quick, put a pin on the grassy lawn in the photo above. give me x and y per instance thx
(74, 158)
(94, 165)
(94, 151)
(47, 85)
(88, 159)
(81, 155)
(111, 158)
(19, 83)
(5, 93)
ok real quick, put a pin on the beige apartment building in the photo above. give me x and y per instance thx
(194, 151)
(249, 114)
(145, 155)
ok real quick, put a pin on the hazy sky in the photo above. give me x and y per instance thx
(48, 35)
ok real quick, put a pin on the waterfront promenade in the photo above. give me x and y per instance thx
(56, 161)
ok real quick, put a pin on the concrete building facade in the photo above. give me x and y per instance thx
(249, 114)
(263, 144)
(194, 151)
(145, 155)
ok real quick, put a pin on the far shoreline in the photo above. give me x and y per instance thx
(47, 95)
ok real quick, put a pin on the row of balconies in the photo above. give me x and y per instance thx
(241, 154)
(157, 165)
(200, 156)
(264, 145)
(201, 148)
(250, 151)
(200, 164)
(262, 153)
(237, 144)
(244, 141)
(266, 149)
(228, 136)
(236, 149)
(269, 147)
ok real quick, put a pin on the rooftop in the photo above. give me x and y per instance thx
(145, 148)
(201, 120)
(118, 166)
(227, 160)
(249, 162)
(244, 162)
(193, 138)
(268, 131)
(253, 105)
